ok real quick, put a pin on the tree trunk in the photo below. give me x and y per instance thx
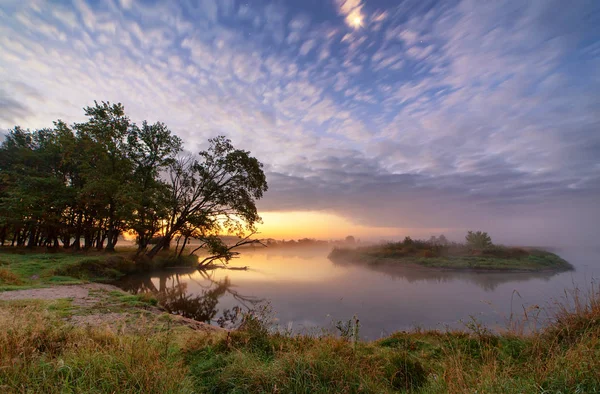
(110, 246)
(66, 240)
(77, 240)
(163, 243)
(3, 231)
(32, 237)
(87, 239)
(185, 240)
(15, 236)
(100, 241)
(22, 236)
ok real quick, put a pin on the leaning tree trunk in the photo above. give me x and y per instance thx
(163, 243)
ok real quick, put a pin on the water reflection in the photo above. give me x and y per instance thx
(306, 289)
(173, 295)
(488, 281)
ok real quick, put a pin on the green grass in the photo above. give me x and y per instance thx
(458, 258)
(42, 353)
(24, 270)
(137, 300)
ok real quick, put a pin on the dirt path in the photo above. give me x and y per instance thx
(102, 305)
(80, 294)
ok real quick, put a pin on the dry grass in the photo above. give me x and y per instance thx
(8, 277)
(40, 353)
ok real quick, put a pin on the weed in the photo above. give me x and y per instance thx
(9, 278)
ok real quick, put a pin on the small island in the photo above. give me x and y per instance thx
(478, 253)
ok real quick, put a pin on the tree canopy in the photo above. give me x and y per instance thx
(83, 185)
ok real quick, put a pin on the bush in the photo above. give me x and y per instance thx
(111, 267)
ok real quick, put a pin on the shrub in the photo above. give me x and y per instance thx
(111, 267)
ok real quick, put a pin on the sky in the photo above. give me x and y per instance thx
(378, 118)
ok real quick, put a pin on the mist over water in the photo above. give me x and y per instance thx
(305, 288)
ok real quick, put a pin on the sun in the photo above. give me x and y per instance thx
(356, 21)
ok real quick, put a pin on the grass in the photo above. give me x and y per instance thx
(42, 353)
(27, 270)
(23, 269)
(457, 257)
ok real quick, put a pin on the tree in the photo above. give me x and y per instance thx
(442, 240)
(152, 148)
(94, 180)
(109, 172)
(438, 241)
(478, 240)
(211, 194)
(350, 239)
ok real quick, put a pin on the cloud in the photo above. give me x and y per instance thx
(11, 111)
(352, 12)
(459, 114)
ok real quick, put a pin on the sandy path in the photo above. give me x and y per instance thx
(79, 293)
(87, 306)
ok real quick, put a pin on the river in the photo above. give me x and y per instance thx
(307, 292)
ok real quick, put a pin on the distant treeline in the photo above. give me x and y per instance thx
(83, 185)
(271, 242)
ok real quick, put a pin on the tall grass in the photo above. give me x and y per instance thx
(41, 353)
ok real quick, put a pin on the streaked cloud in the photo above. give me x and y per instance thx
(435, 114)
(352, 12)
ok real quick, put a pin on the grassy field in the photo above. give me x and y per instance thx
(43, 352)
(457, 257)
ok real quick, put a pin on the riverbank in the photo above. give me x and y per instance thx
(89, 337)
(457, 257)
(133, 348)
(26, 269)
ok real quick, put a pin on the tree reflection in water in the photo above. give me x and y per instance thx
(172, 294)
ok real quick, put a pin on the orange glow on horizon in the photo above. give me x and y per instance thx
(325, 226)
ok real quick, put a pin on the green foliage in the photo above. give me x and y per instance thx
(215, 194)
(84, 185)
(478, 240)
(111, 267)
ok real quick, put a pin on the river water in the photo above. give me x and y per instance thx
(308, 292)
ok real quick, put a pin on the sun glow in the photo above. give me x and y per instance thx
(326, 226)
(356, 21)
